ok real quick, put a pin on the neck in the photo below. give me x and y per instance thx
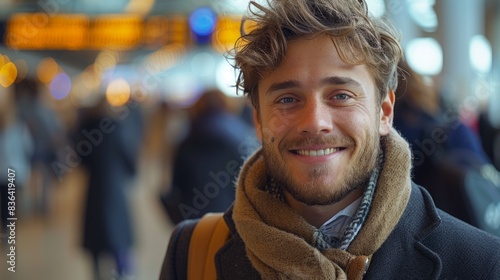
(317, 215)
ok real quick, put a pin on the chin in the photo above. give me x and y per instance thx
(320, 194)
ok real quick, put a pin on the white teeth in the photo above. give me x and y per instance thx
(315, 153)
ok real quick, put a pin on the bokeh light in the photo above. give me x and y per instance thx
(5, 59)
(423, 14)
(226, 33)
(202, 22)
(118, 92)
(60, 86)
(481, 54)
(225, 78)
(425, 56)
(8, 74)
(47, 70)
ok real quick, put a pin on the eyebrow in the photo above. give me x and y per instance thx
(336, 80)
(284, 85)
(333, 80)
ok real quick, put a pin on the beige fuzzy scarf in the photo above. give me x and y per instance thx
(279, 241)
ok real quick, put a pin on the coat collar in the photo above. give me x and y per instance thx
(406, 246)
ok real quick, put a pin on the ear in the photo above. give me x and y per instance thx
(386, 114)
(256, 122)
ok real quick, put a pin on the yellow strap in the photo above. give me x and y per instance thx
(208, 237)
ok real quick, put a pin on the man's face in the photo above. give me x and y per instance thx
(320, 122)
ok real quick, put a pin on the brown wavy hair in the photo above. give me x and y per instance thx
(357, 37)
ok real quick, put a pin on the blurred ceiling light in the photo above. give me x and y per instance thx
(225, 78)
(60, 86)
(226, 33)
(141, 7)
(376, 7)
(202, 22)
(118, 92)
(425, 56)
(116, 31)
(8, 74)
(47, 70)
(422, 12)
(480, 54)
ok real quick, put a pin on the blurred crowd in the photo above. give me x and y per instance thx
(191, 153)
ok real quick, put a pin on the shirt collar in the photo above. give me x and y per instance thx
(335, 226)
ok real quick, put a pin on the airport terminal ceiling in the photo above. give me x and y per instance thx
(140, 22)
(166, 8)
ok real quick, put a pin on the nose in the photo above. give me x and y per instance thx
(315, 118)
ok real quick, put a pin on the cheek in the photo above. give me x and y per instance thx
(351, 120)
(275, 125)
(358, 127)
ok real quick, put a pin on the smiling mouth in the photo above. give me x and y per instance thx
(316, 153)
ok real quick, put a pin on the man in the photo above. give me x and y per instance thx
(329, 195)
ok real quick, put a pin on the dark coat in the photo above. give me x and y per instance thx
(426, 244)
(207, 164)
(111, 165)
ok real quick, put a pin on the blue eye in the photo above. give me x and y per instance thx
(341, 96)
(287, 100)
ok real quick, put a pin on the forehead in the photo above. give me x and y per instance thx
(312, 59)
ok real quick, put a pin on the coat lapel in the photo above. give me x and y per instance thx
(404, 254)
(231, 261)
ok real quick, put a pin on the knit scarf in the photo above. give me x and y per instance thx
(280, 243)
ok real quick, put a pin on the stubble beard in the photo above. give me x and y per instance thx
(315, 191)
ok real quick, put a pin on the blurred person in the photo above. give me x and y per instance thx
(46, 127)
(207, 161)
(167, 127)
(490, 137)
(443, 147)
(330, 195)
(419, 109)
(108, 141)
(16, 149)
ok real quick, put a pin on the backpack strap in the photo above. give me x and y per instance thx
(208, 237)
